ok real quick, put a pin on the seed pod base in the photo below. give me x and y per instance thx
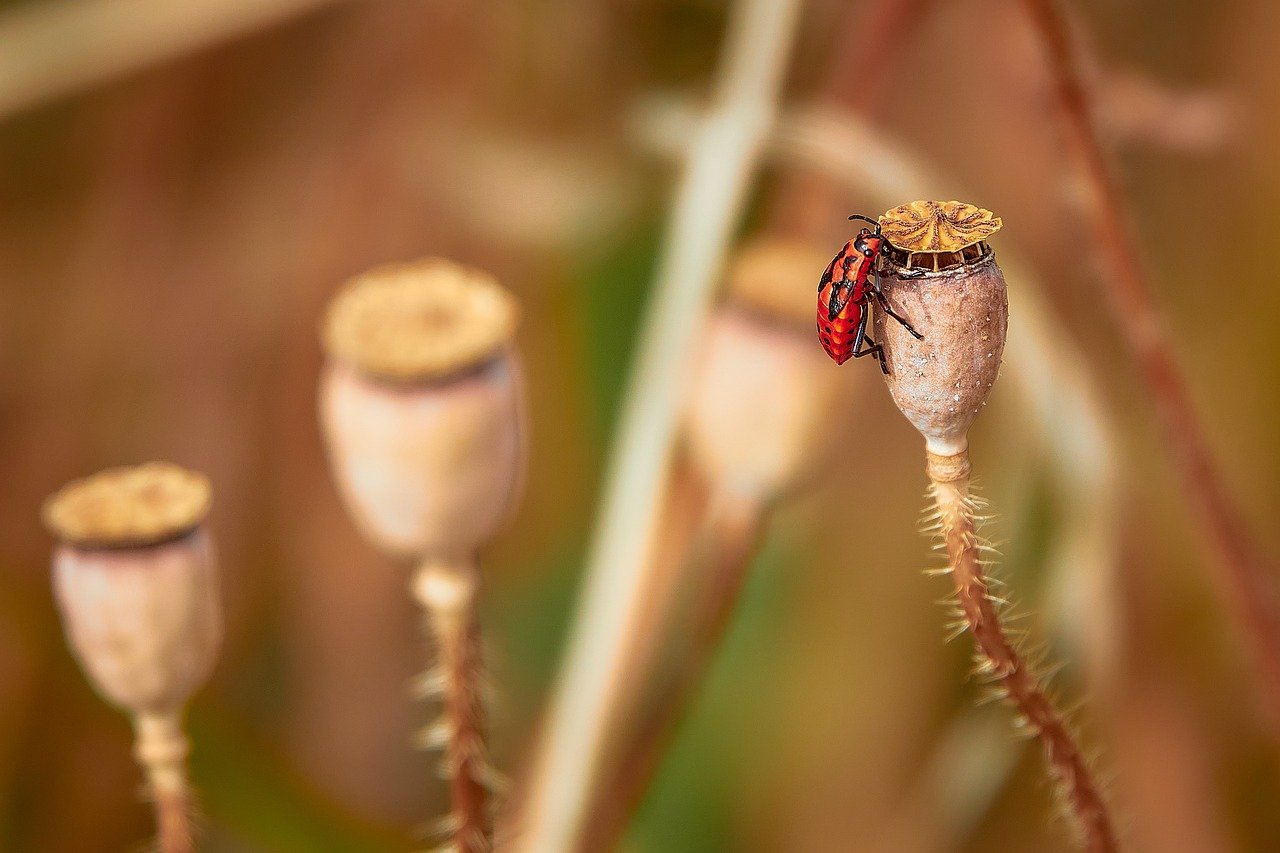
(425, 469)
(144, 622)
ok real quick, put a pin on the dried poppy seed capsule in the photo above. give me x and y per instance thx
(421, 405)
(942, 276)
(762, 397)
(136, 581)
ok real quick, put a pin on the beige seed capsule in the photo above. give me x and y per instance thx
(421, 403)
(949, 286)
(136, 582)
(763, 398)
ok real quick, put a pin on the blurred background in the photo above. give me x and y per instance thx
(180, 194)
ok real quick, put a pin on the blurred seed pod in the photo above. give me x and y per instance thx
(763, 396)
(943, 277)
(421, 404)
(135, 579)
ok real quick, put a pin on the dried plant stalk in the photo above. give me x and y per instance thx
(735, 526)
(723, 158)
(684, 511)
(447, 592)
(1000, 661)
(1246, 576)
(127, 35)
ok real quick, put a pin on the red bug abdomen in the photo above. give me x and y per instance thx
(847, 275)
(837, 335)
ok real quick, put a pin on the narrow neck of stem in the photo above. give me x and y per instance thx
(161, 748)
(949, 467)
(446, 587)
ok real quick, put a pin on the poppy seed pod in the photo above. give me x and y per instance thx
(762, 398)
(421, 403)
(136, 582)
(942, 277)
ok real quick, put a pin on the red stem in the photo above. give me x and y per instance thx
(1244, 577)
(173, 823)
(1001, 661)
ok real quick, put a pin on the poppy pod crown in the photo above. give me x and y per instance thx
(421, 405)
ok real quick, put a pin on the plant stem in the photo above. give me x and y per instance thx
(1245, 576)
(735, 528)
(447, 592)
(683, 519)
(724, 154)
(161, 748)
(1000, 660)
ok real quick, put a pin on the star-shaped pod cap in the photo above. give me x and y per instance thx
(938, 226)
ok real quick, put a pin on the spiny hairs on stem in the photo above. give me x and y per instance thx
(1008, 670)
(447, 593)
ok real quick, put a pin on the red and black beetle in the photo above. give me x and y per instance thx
(844, 297)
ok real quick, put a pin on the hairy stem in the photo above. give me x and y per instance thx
(1245, 576)
(1000, 660)
(161, 748)
(447, 592)
(735, 532)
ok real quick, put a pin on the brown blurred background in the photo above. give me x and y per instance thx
(171, 228)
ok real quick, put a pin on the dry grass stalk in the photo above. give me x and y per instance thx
(136, 582)
(1246, 576)
(722, 160)
(422, 408)
(735, 527)
(684, 512)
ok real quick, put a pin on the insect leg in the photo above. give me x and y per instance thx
(874, 349)
(884, 303)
